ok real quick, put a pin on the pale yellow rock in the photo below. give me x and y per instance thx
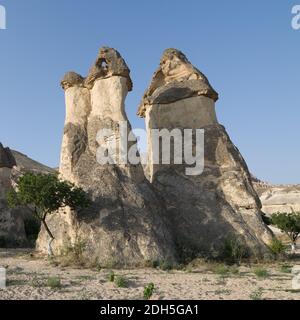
(77, 99)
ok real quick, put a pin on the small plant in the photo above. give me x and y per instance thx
(53, 282)
(260, 272)
(234, 251)
(152, 264)
(234, 270)
(277, 246)
(44, 194)
(148, 290)
(73, 254)
(285, 269)
(120, 282)
(166, 266)
(221, 270)
(111, 276)
(257, 294)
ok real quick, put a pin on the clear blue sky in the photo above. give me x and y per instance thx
(247, 49)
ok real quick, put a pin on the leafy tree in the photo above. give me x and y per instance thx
(289, 223)
(44, 194)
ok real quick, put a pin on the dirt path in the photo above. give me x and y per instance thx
(28, 278)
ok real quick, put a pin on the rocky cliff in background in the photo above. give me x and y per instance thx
(205, 209)
(125, 224)
(12, 165)
(278, 198)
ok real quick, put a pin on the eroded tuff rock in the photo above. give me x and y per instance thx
(125, 223)
(205, 209)
(175, 79)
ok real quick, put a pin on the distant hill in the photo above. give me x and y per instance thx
(24, 163)
(277, 198)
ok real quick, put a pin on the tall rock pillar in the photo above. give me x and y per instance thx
(220, 203)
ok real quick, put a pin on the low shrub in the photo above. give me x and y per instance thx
(111, 276)
(277, 247)
(261, 272)
(120, 282)
(148, 290)
(234, 251)
(53, 282)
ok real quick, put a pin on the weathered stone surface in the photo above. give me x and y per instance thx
(175, 79)
(125, 223)
(108, 63)
(71, 79)
(78, 107)
(205, 209)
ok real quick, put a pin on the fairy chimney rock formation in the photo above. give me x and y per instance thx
(125, 223)
(206, 209)
(77, 100)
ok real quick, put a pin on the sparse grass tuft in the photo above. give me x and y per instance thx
(73, 254)
(148, 290)
(277, 247)
(257, 294)
(285, 268)
(111, 276)
(120, 282)
(234, 251)
(53, 282)
(221, 270)
(261, 272)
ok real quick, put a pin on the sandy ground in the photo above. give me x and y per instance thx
(27, 278)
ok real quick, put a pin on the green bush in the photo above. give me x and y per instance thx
(166, 266)
(285, 269)
(277, 247)
(120, 282)
(288, 223)
(260, 272)
(111, 276)
(53, 282)
(148, 290)
(73, 254)
(152, 264)
(234, 251)
(221, 270)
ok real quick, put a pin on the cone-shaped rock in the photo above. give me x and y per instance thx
(218, 204)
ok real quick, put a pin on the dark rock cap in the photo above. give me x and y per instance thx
(71, 79)
(109, 63)
(175, 79)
